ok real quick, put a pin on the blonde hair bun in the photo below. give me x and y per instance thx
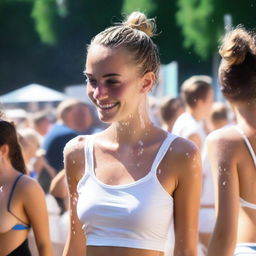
(236, 45)
(139, 21)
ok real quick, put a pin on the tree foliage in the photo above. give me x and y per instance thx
(202, 21)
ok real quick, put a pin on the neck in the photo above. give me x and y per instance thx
(246, 114)
(136, 128)
(6, 171)
(195, 113)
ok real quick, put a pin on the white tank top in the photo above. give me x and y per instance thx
(135, 215)
(243, 202)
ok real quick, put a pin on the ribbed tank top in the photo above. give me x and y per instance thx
(135, 215)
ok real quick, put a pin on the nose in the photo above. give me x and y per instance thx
(100, 92)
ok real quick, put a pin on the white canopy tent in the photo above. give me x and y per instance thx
(32, 93)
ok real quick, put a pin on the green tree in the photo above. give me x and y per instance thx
(202, 22)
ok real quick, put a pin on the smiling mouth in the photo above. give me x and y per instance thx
(107, 106)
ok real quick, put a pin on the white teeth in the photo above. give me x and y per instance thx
(105, 106)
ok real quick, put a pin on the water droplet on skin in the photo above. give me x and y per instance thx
(74, 162)
(141, 142)
(138, 164)
(140, 152)
(224, 183)
(159, 171)
(69, 178)
(170, 149)
(73, 222)
(74, 232)
(1, 189)
(187, 154)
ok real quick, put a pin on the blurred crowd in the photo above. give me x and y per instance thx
(44, 134)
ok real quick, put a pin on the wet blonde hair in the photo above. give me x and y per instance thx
(134, 34)
(237, 72)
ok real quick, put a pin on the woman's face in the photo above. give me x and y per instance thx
(113, 83)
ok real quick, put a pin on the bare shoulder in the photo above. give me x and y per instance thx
(28, 186)
(226, 140)
(74, 157)
(184, 157)
(183, 149)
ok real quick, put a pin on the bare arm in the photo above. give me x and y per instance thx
(187, 200)
(58, 185)
(36, 209)
(224, 167)
(74, 168)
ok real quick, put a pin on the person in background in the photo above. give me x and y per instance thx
(197, 95)
(133, 184)
(33, 154)
(218, 117)
(170, 110)
(22, 203)
(41, 123)
(73, 118)
(232, 149)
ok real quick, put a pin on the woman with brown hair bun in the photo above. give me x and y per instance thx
(22, 204)
(232, 149)
(133, 186)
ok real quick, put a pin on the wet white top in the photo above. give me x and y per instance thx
(135, 215)
(243, 202)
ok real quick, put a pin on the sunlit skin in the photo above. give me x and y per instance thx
(235, 177)
(27, 203)
(131, 141)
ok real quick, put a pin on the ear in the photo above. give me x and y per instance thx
(4, 150)
(147, 82)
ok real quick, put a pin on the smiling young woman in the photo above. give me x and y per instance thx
(120, 177)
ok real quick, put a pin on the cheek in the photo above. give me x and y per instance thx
(89, 91)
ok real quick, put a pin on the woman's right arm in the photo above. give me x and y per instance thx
(74, 168)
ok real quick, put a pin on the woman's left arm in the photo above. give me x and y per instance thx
(36, 210)
(187, 199)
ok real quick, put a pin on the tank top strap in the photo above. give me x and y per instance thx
(162, 151)
(248, 144)
(88, 150)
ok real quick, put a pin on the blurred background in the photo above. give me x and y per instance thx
(44, 41)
